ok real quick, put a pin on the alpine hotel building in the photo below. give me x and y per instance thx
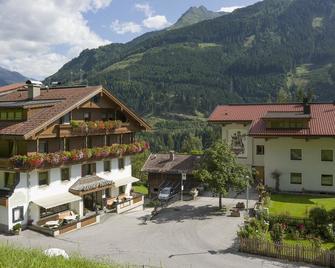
(65, 155)
(290, 147)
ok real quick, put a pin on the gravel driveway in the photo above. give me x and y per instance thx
(186, 234)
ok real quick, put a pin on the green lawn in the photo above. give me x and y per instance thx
(298, 205)
(11, 257)
(305, 242)
(141, 189)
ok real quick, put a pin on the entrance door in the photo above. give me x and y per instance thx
(259, 175)
(93, 201)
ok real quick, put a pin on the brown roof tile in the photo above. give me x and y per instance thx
(69, 97)
(161, 163)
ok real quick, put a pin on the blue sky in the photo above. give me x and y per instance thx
(38, 37)
(126, 11)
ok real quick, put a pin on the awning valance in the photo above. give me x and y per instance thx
(90, 184)
(56, 200)
(124, 181)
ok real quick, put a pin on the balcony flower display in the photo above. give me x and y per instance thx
(36, 160)
(40, 160)
(95, 125)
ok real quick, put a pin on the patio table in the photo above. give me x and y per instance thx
(51, 223)
(70, 218)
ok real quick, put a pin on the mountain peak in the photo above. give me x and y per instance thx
(194, 15)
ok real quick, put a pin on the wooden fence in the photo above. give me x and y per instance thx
(295, 253)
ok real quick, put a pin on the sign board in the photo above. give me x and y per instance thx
(183, 176)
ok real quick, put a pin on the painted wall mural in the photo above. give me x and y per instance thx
(237, 139)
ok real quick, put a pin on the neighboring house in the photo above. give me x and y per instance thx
(165, 170)
(65, 151)
(289, 146)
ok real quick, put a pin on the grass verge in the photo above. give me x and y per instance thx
(298, 205)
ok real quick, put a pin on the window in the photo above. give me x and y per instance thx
(65, 174)
(43, 147)
(87, 116)
(65, 145)
(43, 178)
(296, 178)
(108, 193)
(327, 155)
(121, 163)
(88, 169)
(52, 211)
(260, 150)
(326, 180)
(11, 115)
(296, 154)
(107, 166)
(18, 115)
(66, 119)
(17, 214)
(122, 189)
(10, 179)
(89, 142)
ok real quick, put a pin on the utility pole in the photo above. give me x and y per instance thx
(183, 178)
(247, 177)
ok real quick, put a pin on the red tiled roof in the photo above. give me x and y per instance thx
(322, 122)
(11, 87)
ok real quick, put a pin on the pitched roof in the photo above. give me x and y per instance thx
(11, 87)
(89, 183)
(53, 104)
(321, 123)
(161, 163)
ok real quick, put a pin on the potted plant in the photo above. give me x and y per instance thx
(17, 228)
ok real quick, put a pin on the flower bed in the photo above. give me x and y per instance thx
(41, 160)
(93, 126)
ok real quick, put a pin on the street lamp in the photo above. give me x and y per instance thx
(247, 178)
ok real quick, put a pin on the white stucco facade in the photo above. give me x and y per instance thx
(28, 189)
(277, 157)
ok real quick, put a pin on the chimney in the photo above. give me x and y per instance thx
(34, 89)
(307, 106)
(172, 156)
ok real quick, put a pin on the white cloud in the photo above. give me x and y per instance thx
(156, 22)
(152, 21)
(145, 8)
(31, 30)
(229, 9)
(125, 27)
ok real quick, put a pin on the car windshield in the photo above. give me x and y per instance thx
(165, 191)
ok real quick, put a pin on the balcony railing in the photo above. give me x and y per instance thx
(50, 160)
(82, 128)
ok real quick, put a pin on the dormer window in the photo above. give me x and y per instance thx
(286, 120)
(11, 115)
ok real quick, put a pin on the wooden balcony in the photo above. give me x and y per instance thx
(65, 131)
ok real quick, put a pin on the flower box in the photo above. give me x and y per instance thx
(40, 160)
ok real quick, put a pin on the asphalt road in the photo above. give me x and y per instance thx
(186, 234)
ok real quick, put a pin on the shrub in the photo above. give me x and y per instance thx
(319, 216)
(17, 227)
(277, 233)
(331, 215)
